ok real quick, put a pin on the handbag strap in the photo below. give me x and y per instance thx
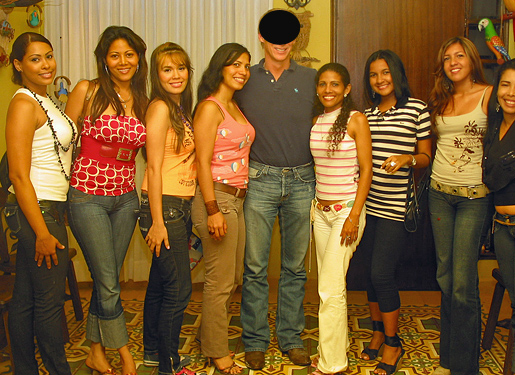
(89, 93)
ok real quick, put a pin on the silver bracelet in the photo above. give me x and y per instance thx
(357, 226)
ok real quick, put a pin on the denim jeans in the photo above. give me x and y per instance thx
(103, 227)
(287, 193)
(457, 226)
(382, 244)
(224, 269)
(169, 282)
(38, 296)
(333, 262)
(504, 241)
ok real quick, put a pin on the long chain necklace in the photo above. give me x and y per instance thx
(124, 101)
(57, 143)
(185, 121)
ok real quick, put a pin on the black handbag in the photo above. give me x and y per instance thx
(416, 199)
(4, 173)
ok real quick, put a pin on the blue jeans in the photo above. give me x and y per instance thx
(504, 241)
(169, 282)
(38, 296)
(103, 227)
(287, 193)
(457, 226)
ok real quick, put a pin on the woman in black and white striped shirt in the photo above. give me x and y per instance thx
(400, 131)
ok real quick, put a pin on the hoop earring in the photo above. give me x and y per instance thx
(107, 70)
(373, 94)
(446, 85)
(137, 68)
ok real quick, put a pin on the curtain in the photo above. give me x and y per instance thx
(199, 26)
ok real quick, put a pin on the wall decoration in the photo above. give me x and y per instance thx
(18, 3)
(62, 85)
(510, 5)
(493, 41)
(6, 36)
(297, 3)
(303, 40)
(34, 15)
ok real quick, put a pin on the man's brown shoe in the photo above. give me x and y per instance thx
(255, 360)
(299, 356)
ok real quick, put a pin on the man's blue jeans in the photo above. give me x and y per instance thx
(457, 227)
(287, 193)
(103, 227)
(169, 282)
(38, 296)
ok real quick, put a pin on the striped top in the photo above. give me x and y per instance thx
(394, 132)
(337, 173)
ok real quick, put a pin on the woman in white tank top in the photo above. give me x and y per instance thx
(458, 199)
(40, 140)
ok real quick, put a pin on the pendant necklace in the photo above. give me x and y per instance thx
(124, 102)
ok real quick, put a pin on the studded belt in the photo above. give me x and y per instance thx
(470, 192)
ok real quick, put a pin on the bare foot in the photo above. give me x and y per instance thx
(226, 365)
(97, 359)
(128, 365)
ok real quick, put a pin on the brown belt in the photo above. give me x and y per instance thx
(237, 192)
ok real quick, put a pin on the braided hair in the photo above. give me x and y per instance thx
(337, 131)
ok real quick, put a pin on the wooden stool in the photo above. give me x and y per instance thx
(491, 323)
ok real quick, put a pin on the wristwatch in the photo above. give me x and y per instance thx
(413, 161)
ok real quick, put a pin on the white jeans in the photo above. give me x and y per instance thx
(333, 261)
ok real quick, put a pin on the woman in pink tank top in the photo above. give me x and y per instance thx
(223, 137)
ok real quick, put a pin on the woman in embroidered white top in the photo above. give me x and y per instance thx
(341, 146)
(458, 199)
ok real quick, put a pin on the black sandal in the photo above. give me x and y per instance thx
(377, 325)
(394, 342)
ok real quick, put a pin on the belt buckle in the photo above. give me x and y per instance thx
(124, 154)
(237, 192)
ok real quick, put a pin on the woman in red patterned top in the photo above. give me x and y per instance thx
(103, 200)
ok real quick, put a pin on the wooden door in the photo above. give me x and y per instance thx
(414, 29)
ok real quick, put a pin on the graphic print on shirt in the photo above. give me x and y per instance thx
(242, 141)
(469, 144)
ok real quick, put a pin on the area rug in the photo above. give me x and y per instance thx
(419, 328)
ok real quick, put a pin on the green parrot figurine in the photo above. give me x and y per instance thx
(493, 41)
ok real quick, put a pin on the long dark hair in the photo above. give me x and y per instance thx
(441, 94)
(495, 113)
(20, 48)
(400, 81)
(106, 94)
(337, 131)
(179, 57)
(224, 56)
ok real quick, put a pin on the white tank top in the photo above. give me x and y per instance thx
(45, 171)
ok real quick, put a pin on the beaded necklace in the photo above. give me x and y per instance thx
(57, 143)
(184, 120)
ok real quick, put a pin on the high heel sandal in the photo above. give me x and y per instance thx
(377, 326)
(226, 370)
(394, 342)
